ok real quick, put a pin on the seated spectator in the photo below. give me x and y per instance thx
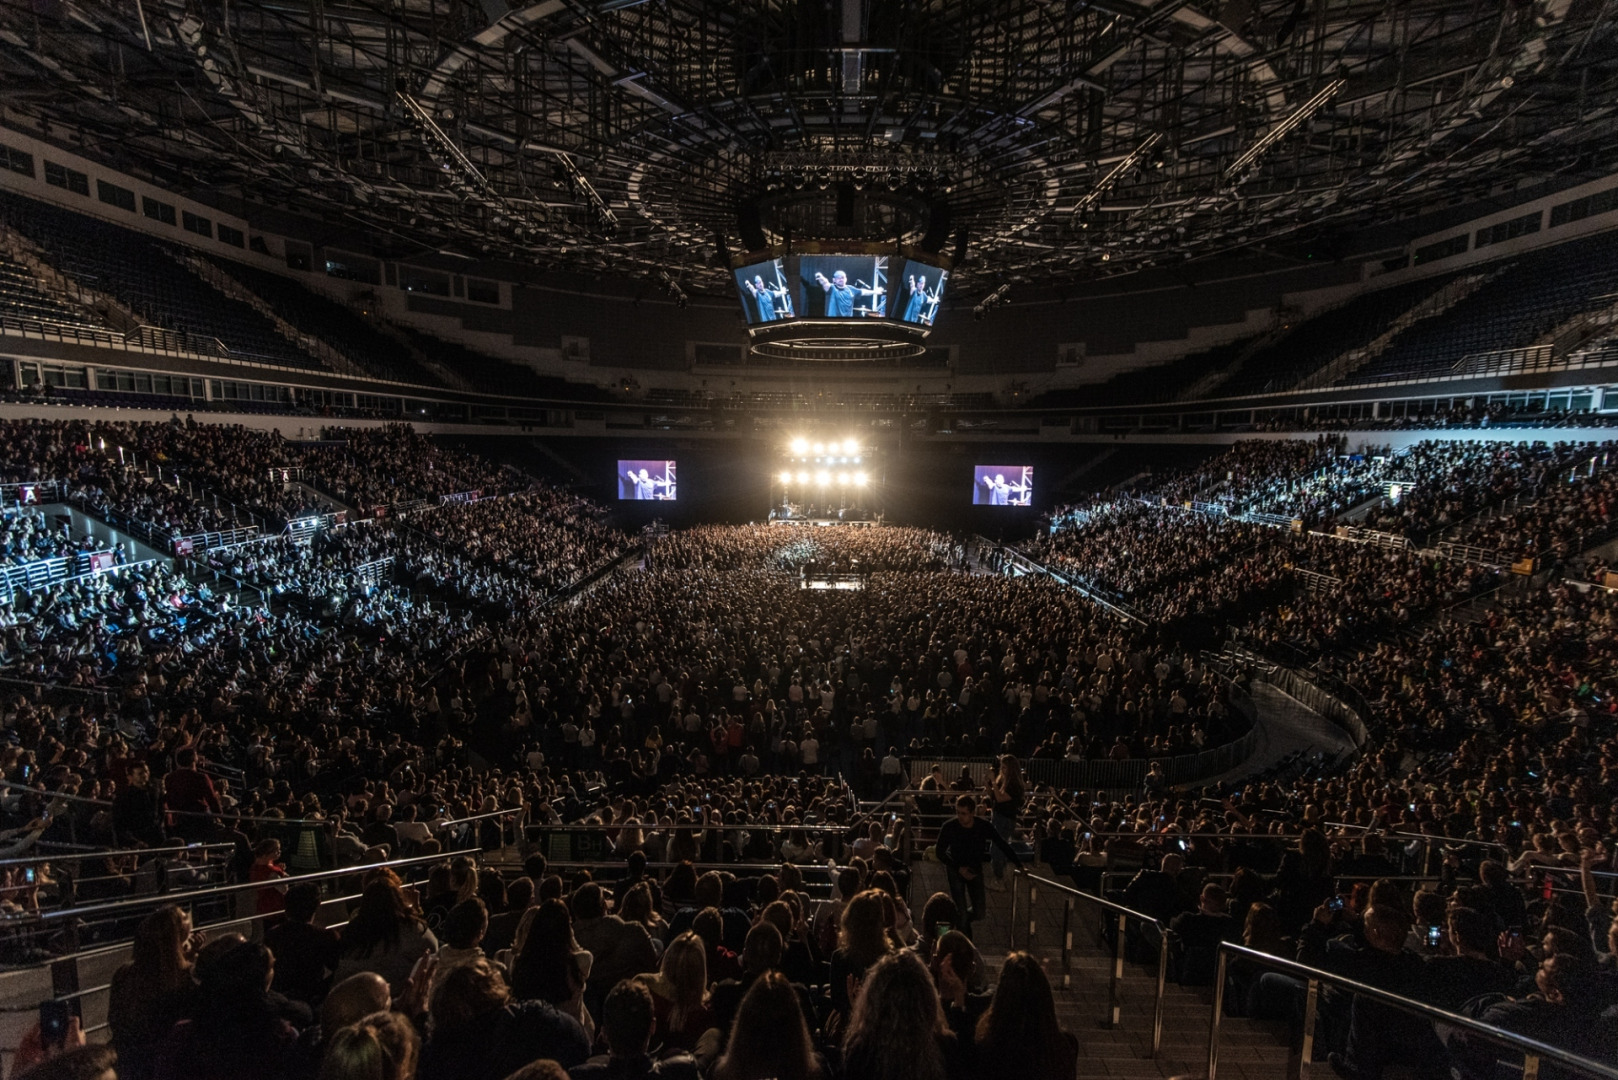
(234, 1030)
(769, 1039)
(385, 936)
(478, 1031)
(1018, 1035)
(381, 1046)
(680, 994)
(897, 1031)
(627, 1023)
(1565, 1011)
(153, 991)
(549, 965)
(621, 950)
(306, 955)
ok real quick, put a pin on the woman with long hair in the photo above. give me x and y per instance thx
(154, 990)
(680, 993)
(1018, 1035)
(769, 1039)
(477, 1031)
(862, 940)
(385, 935)
(549, 964)
(897, 1029)
(1007, 793)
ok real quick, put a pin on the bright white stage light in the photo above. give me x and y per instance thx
(822, 477)
(803, 478)
(851, 446)
(800, 446)
(820, 448)
(860, 479)
(842, 479)
(786, 478)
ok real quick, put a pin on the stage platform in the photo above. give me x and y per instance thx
(824, 521)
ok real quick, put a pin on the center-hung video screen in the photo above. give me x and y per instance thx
(646, 480)
(765, 292)
(1002, 485)
(917, 294)
(843, 286)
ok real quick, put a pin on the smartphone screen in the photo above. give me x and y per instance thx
(53, 1019)
(1433, 937)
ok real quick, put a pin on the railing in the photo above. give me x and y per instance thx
(375, 571)
(1116, 914)
(1534, 1052)
(197, 543)
(43, 573)
(1385, 540)
(1473, 553)
(1505, 361)
(31, 493)
(1017, 560)
(1342, 704)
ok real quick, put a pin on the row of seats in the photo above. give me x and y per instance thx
(338, 326)
(1539, 292)
(143, 276)
(21, 297)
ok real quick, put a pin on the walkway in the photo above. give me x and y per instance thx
(1286, 726)
(1248, 1050)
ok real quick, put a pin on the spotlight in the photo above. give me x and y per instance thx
(800, 446)
(860, 479)
(850, 446)
(842, 479)
(822, 477)
(803, 478)
(786, 478)
(820, 448)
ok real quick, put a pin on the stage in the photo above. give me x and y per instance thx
(823, 521)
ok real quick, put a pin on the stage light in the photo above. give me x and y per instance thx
(822, 477)
(786, 478)
(803, 478)
(857, 459)
(860, 479)
(850, 446)
(800, 446)
(820, 448)
(842, 479)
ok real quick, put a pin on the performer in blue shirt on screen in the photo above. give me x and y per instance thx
(918, 297)
(840, 294)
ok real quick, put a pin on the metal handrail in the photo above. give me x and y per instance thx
(1116, 976)
(114, 907)
(112, 853)
(1532, 1049)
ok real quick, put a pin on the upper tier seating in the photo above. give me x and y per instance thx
(141, 275)
(1540, 291)
(22, 298)
(1315, 342)
(340, 327)
(493, 375)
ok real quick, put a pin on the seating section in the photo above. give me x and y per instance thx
(340, 327)
(21, 297)
(1540, 291)
(1315, 342)
(495, 376)
(1146, 385)
(140, 274)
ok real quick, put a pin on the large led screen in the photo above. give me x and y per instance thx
(1002, 485)
(917, 294)
(765, 292)
(646, 480)
(843, 286)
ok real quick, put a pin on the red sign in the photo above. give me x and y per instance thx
(182, 546)
(101, 560)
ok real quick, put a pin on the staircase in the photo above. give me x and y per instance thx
(224, 283)
(449, 376)
(98, 307)
(1108, 1049)
(1582, 328)
(1205, 386)
(1436, 304)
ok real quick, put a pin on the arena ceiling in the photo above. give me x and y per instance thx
(1062, 139)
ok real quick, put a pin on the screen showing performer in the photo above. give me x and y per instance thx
(918, 293)
(1002, 485)
(764, 292)
(646, 480)
(843, 286)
